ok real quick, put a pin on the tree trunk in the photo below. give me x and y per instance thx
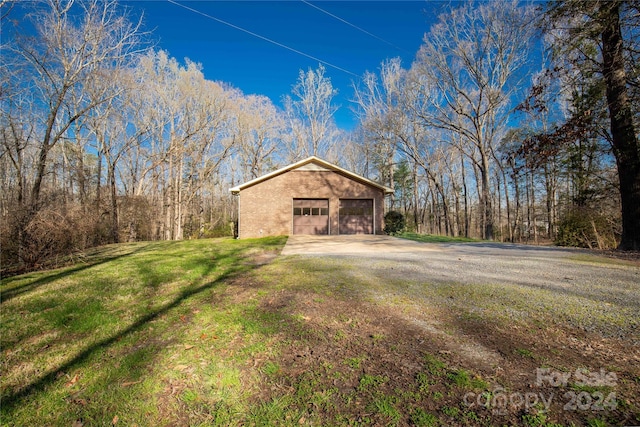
(508, 207)
(550, 186)
(457, 223)
(98, 182)
(466, 198)
(516, 217)
(445, 209)
(531, 207)
(392, 184)
(479, 214)
(416, 201)
(179, 219)
(169, 202)
(487, 214)
(625, 143)
(115, 229)
(37, 182)
(499, 195)
(432, 213)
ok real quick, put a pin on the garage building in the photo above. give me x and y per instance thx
(311, 196)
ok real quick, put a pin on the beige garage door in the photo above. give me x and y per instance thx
(356, 216)
(310, 216)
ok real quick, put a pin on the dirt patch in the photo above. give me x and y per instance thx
(345, 361)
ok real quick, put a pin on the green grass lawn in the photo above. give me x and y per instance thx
(222, 332)
(106, 339)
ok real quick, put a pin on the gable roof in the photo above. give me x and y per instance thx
(312, 163)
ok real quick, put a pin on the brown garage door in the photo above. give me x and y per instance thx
(356, 216)
(310, 216)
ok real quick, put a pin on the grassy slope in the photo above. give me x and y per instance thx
(105, 338)
(201, 333)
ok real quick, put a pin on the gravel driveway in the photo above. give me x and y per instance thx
(484, 262)
(501, 310)
(567, 273)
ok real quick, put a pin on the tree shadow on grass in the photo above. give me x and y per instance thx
(12, 400)
(57, 275)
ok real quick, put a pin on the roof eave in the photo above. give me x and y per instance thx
(238, 188)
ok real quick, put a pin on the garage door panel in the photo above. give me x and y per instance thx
(356, 225)
(310, 216)
(356, 216)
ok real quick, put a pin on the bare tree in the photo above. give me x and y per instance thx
(258, 126)
(377, 103)
(597, 42)
(312, 108)
(67, 52)
(114, 137)
(468, 70)
(73, 44)
(189, 135)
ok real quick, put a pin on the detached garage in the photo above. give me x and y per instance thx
(311, 196)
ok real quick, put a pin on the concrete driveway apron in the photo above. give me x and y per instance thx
(357, 244)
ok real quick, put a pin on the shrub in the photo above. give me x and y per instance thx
(394, 222)
(44, 239)
(586, 228)
(219, 229)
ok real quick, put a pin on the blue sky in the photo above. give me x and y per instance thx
(385, 29)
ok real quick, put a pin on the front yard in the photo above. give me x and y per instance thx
(225, 332)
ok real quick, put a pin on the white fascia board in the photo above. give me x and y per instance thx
(312, 159)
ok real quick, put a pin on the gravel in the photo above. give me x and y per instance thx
(519, 280)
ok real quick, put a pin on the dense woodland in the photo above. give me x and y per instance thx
(514, 123)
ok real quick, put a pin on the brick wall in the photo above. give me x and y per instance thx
(266, 208)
